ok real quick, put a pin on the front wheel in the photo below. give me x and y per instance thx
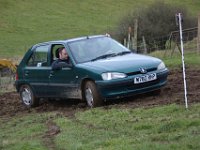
(27, 96)
(91, 95)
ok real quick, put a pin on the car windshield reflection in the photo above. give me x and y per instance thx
(96, 48)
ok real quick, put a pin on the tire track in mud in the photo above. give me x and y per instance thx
(49, 136)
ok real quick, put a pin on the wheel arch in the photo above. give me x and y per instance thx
(25, 83)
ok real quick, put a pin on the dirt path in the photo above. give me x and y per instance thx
(10, 104)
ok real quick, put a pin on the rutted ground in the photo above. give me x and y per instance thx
(173, 92)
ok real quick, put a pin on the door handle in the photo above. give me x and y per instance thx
(51, 74)
(26, 73)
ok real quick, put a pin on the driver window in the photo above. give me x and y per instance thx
(54, 51)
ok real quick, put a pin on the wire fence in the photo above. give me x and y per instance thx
(189, 40)
(170, 42)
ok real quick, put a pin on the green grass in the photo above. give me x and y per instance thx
(163, 127)
(175, 61)
(191, 59)
(23, 132)
(24, 23)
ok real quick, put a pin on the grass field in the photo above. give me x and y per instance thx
(24, 23)
(164, 127)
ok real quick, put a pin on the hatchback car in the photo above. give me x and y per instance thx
(101, 69)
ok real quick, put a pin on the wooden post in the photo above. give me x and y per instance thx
(134, 49)
(144, 44)
(198, 36)
(129, 38)
(135, 35)
(125, 42)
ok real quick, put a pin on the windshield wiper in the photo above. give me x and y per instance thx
(124, 53)
(111, 55)
(104, 56)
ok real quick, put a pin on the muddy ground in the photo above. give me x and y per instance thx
(173, 92)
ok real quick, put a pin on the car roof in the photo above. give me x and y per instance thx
(70, 40)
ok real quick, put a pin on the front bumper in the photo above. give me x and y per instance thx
(125, 87)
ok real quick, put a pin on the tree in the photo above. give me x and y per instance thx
(155, 22)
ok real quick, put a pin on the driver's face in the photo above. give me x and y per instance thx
(63, 54)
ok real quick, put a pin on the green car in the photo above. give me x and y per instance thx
(101, 69)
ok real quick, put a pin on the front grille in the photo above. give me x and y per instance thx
(139, 72)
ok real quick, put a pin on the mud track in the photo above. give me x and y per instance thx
(173, 92)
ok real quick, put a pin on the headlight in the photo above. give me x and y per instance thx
(161, 66)
(113, 75)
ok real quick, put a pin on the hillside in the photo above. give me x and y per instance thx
(24, 23)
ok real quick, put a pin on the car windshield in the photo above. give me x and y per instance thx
(92, 49)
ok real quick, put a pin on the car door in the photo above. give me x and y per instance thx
(37, 69)
(63, 83)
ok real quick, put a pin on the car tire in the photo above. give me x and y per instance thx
(28, 97)
(91, 95)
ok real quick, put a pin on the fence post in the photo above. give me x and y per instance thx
(129, 38)
(198, 36)
(125, 44)
(135, 35)
(144, 44)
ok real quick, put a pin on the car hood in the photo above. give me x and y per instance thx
(126, 63)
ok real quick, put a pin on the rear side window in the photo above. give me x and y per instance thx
(39, 57)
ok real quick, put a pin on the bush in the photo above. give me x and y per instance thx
(154, 22)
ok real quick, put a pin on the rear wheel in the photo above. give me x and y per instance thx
(27, 96)
(91, 95)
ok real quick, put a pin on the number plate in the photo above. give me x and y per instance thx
(145, 78)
